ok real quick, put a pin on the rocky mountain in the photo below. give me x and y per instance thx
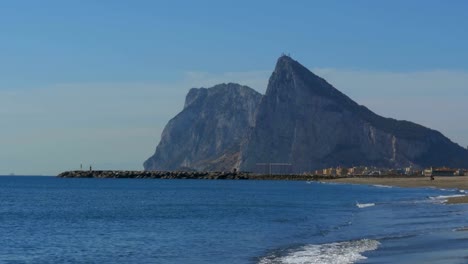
(305, 121)
(302, 120)
(208, 133)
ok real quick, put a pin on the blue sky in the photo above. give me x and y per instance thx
(95, 82)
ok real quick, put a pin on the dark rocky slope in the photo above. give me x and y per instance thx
(305, 121)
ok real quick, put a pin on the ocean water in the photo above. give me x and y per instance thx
(54, 220)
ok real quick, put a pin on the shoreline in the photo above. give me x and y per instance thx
(442, 182)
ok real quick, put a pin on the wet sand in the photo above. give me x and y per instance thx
(458, 182)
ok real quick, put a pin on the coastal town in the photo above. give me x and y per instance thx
(375, 171)
(342, 171)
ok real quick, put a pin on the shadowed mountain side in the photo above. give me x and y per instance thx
(208, 133)
(305, 121)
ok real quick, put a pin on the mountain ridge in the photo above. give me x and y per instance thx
(304, 121)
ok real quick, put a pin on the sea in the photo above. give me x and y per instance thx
(60, 220)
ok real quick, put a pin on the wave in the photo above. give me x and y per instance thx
(382, 186)
(331, 183)
(444, 198)
(333, 253)
(364, 205)
(448, 190)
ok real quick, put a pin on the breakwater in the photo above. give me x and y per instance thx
(187, 175)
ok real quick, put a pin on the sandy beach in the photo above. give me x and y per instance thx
(458, 182)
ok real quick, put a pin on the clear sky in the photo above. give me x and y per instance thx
(94, 82)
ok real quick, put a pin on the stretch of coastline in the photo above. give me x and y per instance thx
(449, 182)
(445, 182)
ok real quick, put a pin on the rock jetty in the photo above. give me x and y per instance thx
(186, 175)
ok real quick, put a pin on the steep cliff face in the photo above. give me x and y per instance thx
(208, 133)
(304, 121)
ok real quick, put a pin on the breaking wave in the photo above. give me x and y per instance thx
(333, 253)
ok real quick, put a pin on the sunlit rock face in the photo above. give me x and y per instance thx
(207, 134)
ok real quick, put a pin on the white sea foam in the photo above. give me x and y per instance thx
(444, 198)
(331, 183)
(364, 205)
(382, 186)
(450, 190)
(333, 253)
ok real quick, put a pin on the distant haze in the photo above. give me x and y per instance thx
(94, 84)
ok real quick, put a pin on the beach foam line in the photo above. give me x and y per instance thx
(382, 186)
(444, 198)
(450, 190)
(332, 183)
(333, 253)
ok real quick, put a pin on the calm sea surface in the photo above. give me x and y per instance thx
(54, 220)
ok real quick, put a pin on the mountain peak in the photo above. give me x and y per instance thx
(285, 62)
(289, 75)
(285, 58)
(287, 65)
